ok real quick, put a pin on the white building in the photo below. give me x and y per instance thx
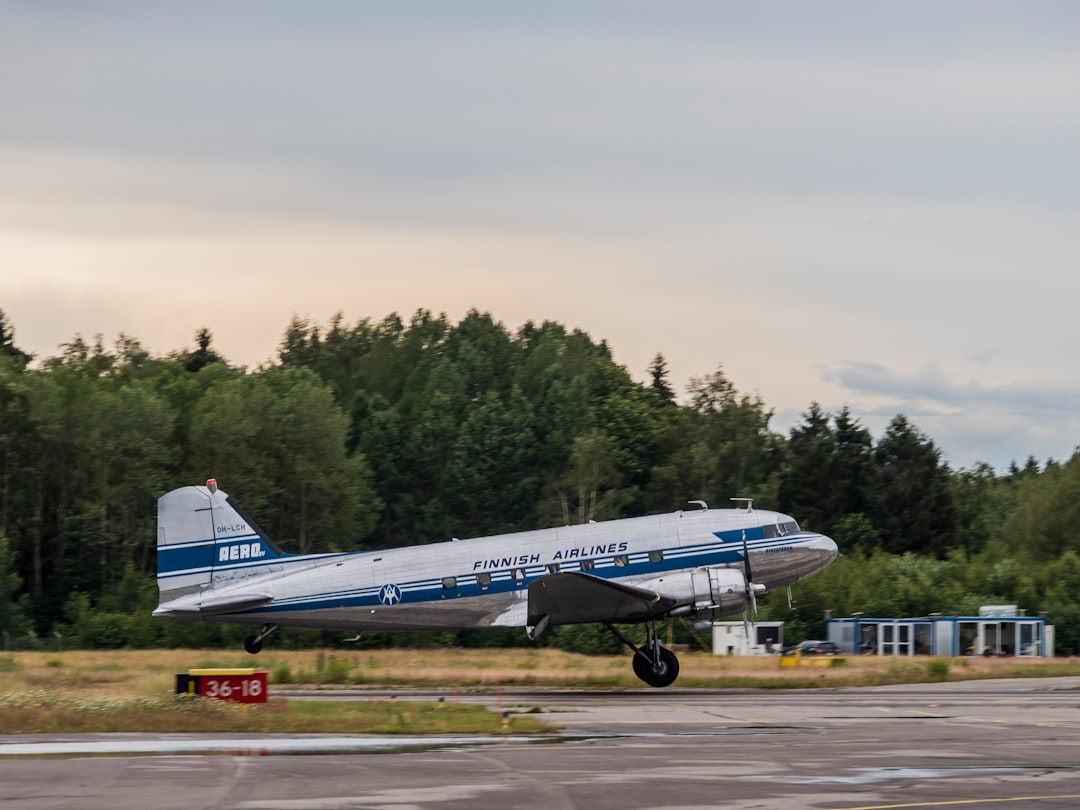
(766, 638)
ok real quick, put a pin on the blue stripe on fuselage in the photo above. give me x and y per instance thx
(431, 590)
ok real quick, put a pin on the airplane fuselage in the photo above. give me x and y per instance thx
(481, 582)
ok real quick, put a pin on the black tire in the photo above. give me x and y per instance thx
(253, 644)
(660, 675)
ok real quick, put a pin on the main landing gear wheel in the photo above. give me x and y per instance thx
(659, 668)
(653, 663)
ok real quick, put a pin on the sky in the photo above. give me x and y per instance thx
(870, 205)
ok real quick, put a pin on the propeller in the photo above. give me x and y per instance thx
(749, 575)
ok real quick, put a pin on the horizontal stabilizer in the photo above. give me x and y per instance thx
(220, 604)
(572, 598)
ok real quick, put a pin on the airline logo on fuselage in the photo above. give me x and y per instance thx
(241, 551)
(521, 560)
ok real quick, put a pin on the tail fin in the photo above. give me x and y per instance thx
(202, 532)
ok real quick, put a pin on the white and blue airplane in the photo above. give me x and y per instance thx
(215, 564)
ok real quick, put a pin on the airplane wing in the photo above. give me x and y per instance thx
(574, 598)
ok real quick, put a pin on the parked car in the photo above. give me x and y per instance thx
(818, 648)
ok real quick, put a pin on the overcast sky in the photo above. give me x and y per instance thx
(863, 204)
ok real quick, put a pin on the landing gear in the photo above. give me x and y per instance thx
(657, 668)
(254, 644)
(654, 664)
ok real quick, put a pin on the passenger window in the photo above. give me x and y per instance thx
(552, 568)
(656, 556)
(588, 565)
(449, 582)
(622, 561)
(518, 574)
(483, 579)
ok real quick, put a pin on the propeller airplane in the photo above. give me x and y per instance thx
(216, 564)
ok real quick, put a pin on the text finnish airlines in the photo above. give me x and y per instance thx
(562, 554)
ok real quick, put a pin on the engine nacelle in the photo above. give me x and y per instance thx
(704, 594)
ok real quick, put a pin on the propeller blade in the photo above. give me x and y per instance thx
(751, 588)
(746, 558)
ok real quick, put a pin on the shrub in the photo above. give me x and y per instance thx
(337, 671)
(282, 673)
(937, 669)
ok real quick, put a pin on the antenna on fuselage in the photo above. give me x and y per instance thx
(748, 503)
(704, 506)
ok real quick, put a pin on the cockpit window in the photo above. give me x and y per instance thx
(789, 527)
(770, 531)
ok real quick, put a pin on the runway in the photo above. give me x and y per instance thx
(976, 744)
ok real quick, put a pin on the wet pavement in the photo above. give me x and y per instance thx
(984, 744)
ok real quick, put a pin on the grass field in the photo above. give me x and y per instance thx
(132, 690)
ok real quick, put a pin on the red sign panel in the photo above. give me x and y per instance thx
(236, 688)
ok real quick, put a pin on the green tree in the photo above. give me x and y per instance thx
(982, 503)
(804, 487)
(1043, 519)
(732, 452)
(279, 435)
(13, 619)
(914, 498)
(203, 355)
(658, 376)
(589, 490)
(488, 489)
(8, 348)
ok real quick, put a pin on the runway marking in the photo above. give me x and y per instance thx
(956, 802)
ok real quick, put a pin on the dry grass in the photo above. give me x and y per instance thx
(486, 668)
(88, 691)
(151, 673)
(126, 691)
(44, 713)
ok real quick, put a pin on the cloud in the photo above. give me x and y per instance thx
(970, 420)
(779, 188)
(930, 389)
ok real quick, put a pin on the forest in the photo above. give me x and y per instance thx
(383, 433)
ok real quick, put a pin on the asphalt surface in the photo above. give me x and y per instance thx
(983, 744)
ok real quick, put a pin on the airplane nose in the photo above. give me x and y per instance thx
(827, 546)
